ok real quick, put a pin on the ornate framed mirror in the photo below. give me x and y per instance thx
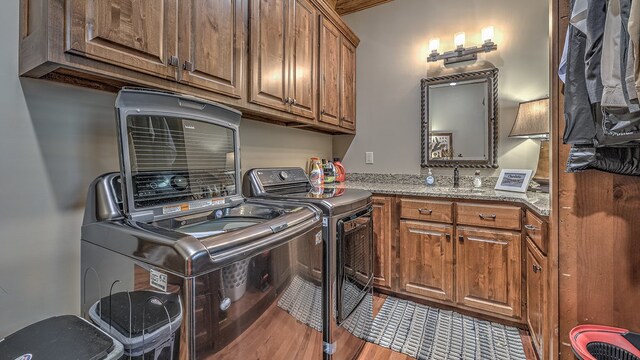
(460, 120)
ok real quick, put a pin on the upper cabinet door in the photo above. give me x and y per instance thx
(269, 66)
(348, 86)
(211, 45)
(134, 34)
(303, 68)
(330, 44)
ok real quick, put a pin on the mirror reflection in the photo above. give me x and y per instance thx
(459, 120)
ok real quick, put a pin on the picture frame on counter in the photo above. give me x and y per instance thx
(515, 180)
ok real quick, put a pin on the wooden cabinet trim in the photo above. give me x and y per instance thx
(486, 261)
(221, 67)
(536, 229)
(417, 250)
(383, 241)
(493, 216)
(427, 210)
(137, 49)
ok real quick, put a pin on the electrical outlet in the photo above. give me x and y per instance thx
(368, 157)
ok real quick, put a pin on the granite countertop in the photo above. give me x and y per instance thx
(538, 202)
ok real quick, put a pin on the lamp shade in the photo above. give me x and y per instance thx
(532, 120)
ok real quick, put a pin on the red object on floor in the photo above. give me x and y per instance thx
(584, 335)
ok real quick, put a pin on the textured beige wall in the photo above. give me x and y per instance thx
(391, 60)
(54, 140)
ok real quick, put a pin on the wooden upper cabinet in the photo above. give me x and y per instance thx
(134, 34)
(489, 270)
(303, 58)
(536, 297)
(330, 45)
(269, 53)
(382, 241)
(212, 45)
(426, 259)
(348, 86)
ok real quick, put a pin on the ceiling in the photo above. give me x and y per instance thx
(344, 7)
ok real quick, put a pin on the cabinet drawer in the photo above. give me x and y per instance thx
(427, 210)
(494, 216)
(536, 230)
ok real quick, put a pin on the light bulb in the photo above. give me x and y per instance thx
(434, 45)
(487, 34)
(458, 40)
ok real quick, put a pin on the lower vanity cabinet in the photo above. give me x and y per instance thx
(488, 268)
(426, 259)
(384, 257)
(536, 296)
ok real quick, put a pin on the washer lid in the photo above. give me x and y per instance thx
(178, 154)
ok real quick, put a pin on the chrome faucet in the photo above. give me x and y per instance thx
(456, 177)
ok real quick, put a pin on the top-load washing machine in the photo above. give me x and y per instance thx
(176, 263)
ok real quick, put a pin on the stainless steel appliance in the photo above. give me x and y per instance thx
(172, 230)
(348, 252)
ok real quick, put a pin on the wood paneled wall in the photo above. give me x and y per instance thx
(596, 226)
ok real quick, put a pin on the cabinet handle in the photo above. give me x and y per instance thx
(487, 217)
(294, 102)
(537, 268)
(448, 237)
(188, 65)
(461, 238)
(322, 111)
(173, 61)
(425, 211)
(531, 227)
(286, 100)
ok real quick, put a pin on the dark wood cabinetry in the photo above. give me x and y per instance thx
(139, 36)
(426, 259)
(536, 269)
(269, 54)
(211, 45)
(330, 44)
(283, 55)
(488, 270)
(337, 78)
(348, 85)
(261, 57)
(383, 241)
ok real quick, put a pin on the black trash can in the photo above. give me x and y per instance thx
(60, 337)
(145, 322)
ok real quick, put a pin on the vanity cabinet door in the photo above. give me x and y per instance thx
(382, 241)
(134, 34)
(426, 259)
(536, 296)
(488, 266)
(212, 45)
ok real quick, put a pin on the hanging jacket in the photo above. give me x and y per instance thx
(634, 37)
(614, 160)
(579, 119)
(611, 71)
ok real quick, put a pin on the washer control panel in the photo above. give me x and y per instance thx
(269, 177)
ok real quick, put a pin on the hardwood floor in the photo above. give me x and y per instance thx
(375, 352)
(271, 338)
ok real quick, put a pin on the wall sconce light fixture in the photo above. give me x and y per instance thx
(461, 53)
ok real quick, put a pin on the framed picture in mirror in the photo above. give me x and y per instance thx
(441, 145)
